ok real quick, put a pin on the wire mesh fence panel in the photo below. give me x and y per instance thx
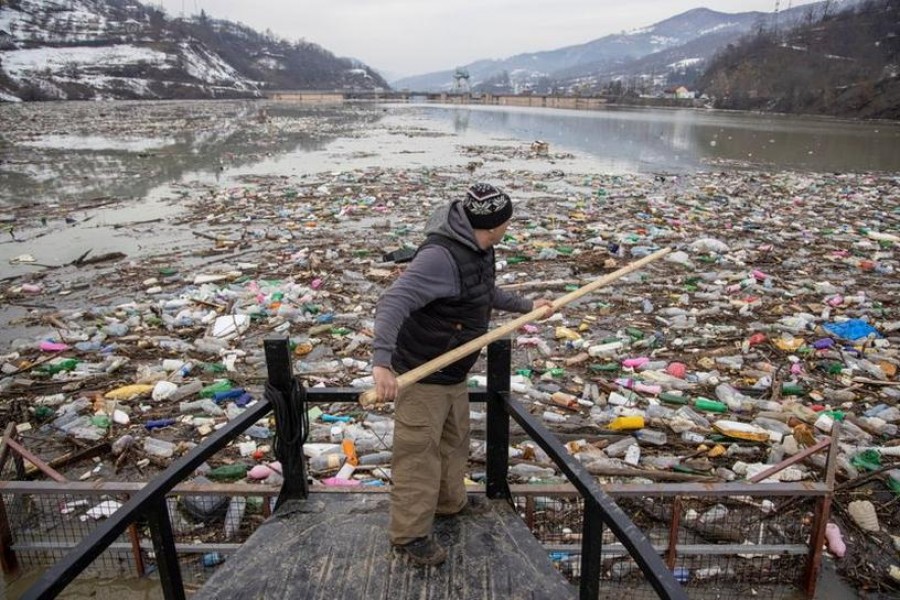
(717, 546)
(45, 526)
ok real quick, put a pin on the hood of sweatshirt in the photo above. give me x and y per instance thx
(450, 221)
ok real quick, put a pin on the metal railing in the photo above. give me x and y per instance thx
(149, 504)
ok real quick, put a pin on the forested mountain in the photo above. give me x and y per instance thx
(674, 50)
(81, 49)
(843, 63)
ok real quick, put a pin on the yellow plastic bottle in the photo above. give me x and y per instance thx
(629, 422)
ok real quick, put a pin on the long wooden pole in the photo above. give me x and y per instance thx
(370, 398)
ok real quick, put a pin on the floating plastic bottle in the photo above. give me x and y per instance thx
(185, 391)
(159, 448)
(626, 422)
(228, 472)
(158, 424)
(707, 405)
(651, 436)
(527, 471)
(330, 461)
(672, 398)
(66, 364)
(222, 385)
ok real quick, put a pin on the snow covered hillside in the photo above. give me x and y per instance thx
(122, 49)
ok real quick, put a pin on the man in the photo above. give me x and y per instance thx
(442, 300)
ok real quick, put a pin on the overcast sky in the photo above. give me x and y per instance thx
(411, 37)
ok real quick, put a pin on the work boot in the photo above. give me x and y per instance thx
(475, 505)
(423, 551)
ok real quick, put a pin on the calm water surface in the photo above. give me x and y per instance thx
(653, 140)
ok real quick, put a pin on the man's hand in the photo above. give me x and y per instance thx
(385, 384)
(544, 302)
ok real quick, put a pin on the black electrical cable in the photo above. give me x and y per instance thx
(291, 425)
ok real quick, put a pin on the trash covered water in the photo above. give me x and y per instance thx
(775, 317)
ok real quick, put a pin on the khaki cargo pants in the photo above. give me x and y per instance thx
(431, 449)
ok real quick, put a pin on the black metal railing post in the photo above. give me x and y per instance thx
(288, 439)
(497, 429)
(591, 551)
(164, 548)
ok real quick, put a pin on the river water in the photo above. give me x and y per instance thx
(77, 174)
(631, 140)
(46, 169)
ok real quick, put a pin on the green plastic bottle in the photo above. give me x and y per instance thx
(671, 398)
(228, 472)
(101, 421)
(609, 367)
(792, 389)
(893, 480)
(66, 364)
(43, 412)
(222, 385)
(707, 405)
(635, 333)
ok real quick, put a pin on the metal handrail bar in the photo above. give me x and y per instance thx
(624, 490)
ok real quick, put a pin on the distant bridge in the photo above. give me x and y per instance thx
(533, 100)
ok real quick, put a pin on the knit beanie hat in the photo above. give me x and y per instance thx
(486, 206)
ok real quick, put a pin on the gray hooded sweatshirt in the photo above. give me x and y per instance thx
(431, 275)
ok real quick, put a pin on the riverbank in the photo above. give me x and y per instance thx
(768, 266)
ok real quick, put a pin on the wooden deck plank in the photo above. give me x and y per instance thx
(335, 546)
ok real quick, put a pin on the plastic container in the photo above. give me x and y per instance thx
(234, 515)
(626, 423)
(223, 395)
(66, 364)
(565, 400)
(122, 444)
(527, 471)
(377, 458)
(651, 436)
(707, 405)
(211, 559)
(620, 448)
(893, 480)
(158, 424)
(185, 391)
(672, 398)
(204, 405)
(159, 448)
(222, 385)
(228, 472)
(552, 417)
(327, 462)
(633, 455)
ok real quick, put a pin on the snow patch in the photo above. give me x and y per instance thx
(210, 68)
(4, 97)
(661, 40)
(98, 142)
(685, 63)
(23, 63)
(640, 31)
(717, 28)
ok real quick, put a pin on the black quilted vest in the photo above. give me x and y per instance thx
(448, 323)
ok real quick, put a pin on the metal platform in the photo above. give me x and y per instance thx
(335, 545)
